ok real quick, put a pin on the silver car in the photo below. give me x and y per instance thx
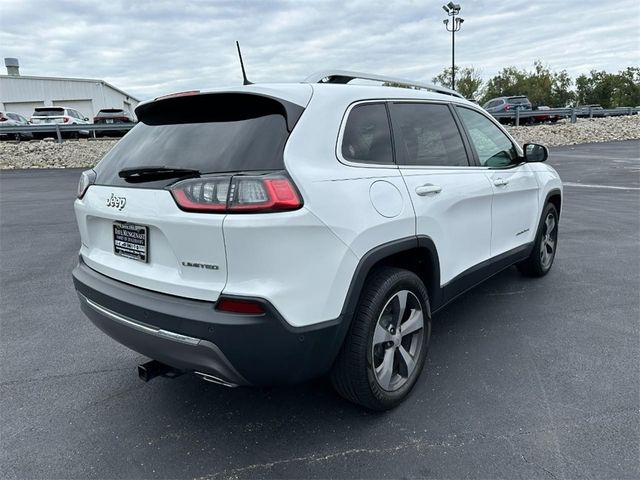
(11, 119)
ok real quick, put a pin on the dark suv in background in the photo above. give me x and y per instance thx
(113, 116)
(507, 104)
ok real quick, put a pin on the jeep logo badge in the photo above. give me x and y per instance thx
(116, 202)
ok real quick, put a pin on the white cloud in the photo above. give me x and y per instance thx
(150, 48)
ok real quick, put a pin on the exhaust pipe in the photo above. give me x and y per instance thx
(207, 377)
(152, 369)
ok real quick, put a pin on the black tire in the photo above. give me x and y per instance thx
(537, 265)
(354, 372)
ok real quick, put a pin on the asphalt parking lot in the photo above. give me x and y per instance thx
(525, 378)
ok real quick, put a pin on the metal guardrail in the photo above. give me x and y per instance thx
(57, 129)
(571, 113)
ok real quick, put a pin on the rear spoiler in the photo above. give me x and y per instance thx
(197, 107)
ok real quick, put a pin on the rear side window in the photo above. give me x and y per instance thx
(212, 133)
(367, 136)
(427, 135)
(518, 100)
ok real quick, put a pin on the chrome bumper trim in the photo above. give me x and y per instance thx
(141, 327)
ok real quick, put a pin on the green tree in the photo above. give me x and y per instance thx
(510, 81)
(541, 85)
(620, 89)
(468, 81)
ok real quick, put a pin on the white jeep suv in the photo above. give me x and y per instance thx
(268, 234)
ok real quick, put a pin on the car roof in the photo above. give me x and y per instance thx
(301, 93)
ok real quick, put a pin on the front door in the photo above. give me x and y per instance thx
(451, 199)
(515, 188)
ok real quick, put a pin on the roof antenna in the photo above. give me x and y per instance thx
(245, 81)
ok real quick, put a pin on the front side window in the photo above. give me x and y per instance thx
(493, 147)
(367, 136)
(427, 135)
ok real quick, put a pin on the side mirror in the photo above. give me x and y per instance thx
(535, 153)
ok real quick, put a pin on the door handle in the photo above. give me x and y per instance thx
(427, 189)
(500, 182)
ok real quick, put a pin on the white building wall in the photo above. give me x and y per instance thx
(21, 94)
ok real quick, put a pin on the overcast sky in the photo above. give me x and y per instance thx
(148, 48)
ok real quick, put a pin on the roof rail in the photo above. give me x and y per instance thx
(345, 76)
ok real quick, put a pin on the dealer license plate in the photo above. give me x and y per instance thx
(130, 241)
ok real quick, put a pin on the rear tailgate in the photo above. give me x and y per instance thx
(185, 251)
(182, 253)
(48, 119)
(48, 115)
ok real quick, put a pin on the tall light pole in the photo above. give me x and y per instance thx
(453, 9)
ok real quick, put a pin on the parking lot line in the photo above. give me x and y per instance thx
(586, 185)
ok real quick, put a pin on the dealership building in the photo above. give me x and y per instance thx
(21, 94)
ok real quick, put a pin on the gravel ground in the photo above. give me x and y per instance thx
(86, 153)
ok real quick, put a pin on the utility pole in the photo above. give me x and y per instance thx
(453, 9)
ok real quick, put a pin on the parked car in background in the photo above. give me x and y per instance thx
(586, 110)
(113, 116)
(11, 119)
(508, 104)
(63, 115)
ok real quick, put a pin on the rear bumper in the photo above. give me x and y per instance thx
(192, 335)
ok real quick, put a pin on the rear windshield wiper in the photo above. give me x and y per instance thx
(150, 174)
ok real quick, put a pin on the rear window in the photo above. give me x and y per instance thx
(48, 112)
(518, 100)
(111, 111)
(209, 133)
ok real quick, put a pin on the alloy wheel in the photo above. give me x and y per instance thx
(548, 243)
(397, 340)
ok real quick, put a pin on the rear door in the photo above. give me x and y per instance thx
(515, 188)
(452, 200)
(133, 231)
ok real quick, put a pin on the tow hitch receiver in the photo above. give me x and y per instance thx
(152, 369)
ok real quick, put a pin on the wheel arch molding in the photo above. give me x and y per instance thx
(416, 253)
(554, 196)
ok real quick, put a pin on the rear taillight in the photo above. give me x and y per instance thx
(507, 108)
(87, 178)
(202, 194)
(234, 305)
(237, 194)
(66, 119)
